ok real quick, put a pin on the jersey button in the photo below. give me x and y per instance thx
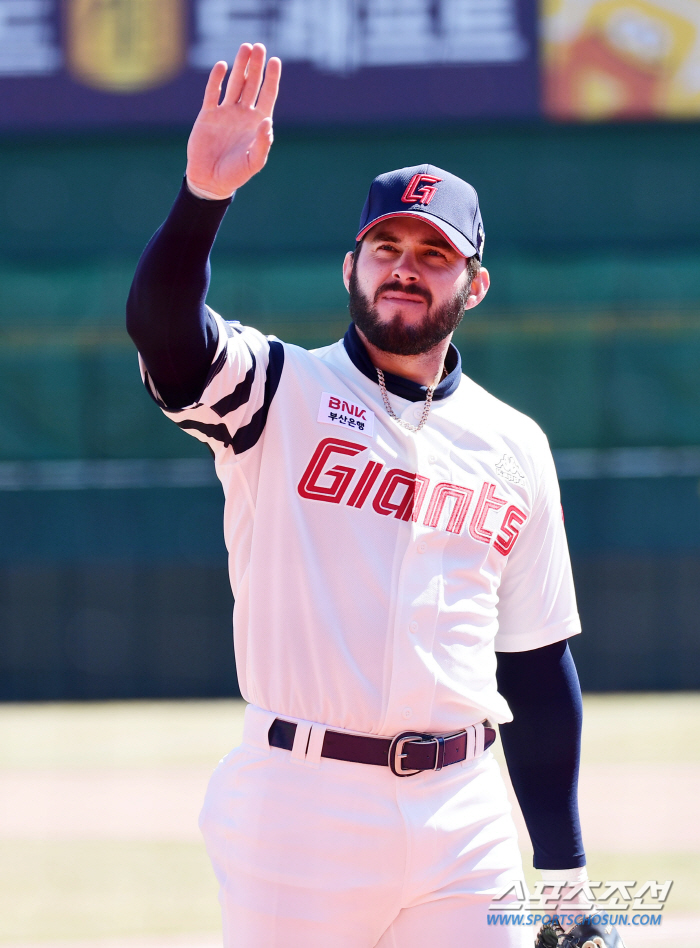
(418, 411)
(413, 626)
(406, 713)
(422, 546)
(432, 459)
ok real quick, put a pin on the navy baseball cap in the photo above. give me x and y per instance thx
(431, 194)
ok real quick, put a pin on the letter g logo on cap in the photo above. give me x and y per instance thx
(413, 194)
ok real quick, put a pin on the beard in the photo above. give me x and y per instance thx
(394, 335)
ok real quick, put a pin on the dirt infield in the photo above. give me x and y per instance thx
(97, 804)
(99, 845)
(628, 808)
(624, 807)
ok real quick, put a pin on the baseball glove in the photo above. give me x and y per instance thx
(585, 935)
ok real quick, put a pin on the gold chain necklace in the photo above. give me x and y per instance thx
(426, 407)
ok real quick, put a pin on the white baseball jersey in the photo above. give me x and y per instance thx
(376, 571)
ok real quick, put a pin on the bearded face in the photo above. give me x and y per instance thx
(396, 335)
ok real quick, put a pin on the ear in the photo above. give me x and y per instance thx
(347, 268)
(479, 288)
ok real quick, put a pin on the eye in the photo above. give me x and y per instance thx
(390, 247)
(435, 253)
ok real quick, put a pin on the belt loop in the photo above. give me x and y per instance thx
(315, 746)
(480, 738)
(301, 740)
(471, 743)
(440, 753)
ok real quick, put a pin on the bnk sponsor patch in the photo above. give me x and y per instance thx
(335, 410)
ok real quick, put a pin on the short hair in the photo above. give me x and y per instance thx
(473, 267)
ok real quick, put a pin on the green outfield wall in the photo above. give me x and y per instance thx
(592, 327)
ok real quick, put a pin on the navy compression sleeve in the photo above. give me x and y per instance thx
(166, 315)
(542, 746)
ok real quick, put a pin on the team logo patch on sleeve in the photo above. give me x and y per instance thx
(335, 410)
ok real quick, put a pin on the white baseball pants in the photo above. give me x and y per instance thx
(318, 853)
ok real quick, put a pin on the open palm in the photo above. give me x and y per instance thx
(229, 143)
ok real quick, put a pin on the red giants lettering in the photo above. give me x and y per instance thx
(402, 508)
(413, 194)
(487, 501)
(513, 519)
(337, 405)
(462, 498)
(419, 496)
(403, 494)
(339, 475)
(365, 484)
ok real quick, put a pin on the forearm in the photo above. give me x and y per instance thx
(542, 749)
(166, 313)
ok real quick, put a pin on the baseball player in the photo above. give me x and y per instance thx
(399, 565)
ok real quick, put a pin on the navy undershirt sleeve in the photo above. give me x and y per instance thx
(542, 747)
(166, 314)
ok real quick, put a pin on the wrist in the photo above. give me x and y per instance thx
(206, 195)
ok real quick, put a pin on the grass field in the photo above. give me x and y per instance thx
(98, 815)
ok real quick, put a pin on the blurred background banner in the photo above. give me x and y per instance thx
(606, 59)
(81, 63)
(105, 63)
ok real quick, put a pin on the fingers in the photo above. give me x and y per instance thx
(254, 74)
(246, 80)
(260, 149)
(270, 87)
(237, 78)
(212, 92)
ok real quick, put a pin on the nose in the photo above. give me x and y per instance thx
(406, 268)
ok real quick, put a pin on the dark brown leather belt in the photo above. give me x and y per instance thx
(407, 754)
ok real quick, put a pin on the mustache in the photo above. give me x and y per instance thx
(400, 288)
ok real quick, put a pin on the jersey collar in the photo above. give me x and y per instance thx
(396, 384)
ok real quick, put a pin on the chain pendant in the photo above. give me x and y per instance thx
(390, 411)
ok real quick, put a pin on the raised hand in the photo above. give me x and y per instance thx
(229, 143)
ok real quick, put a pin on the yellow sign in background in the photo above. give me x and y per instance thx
(125, 45)
(608, 59)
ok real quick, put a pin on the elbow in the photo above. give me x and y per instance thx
(136, 315)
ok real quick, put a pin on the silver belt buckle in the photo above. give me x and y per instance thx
(396, 751)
